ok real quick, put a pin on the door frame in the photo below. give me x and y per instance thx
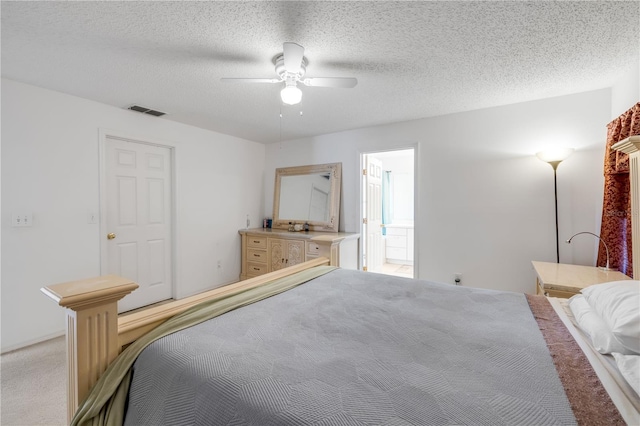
(102, 149)
(416, 202)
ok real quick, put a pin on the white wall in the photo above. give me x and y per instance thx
(50, 168)
(485, 203)
(625, 93)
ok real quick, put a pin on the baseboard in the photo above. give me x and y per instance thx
(31, 342)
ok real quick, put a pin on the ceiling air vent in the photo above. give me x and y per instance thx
(146, 110)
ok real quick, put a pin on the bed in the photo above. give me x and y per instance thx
(312, 344)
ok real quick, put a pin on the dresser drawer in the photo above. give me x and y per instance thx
(256, 242)
(313, 249)
(255, 269)
(559, 293)
(254, 255)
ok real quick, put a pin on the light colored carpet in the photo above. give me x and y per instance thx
(33, 385)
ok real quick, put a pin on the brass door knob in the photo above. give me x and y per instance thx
(111, 236)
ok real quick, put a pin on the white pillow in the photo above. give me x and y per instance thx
(629, 366)
(618, 304)
(598, 331)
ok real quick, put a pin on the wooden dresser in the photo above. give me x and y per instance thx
(266, 250)
(564, 280)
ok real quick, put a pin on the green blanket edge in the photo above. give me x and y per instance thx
(105, 404)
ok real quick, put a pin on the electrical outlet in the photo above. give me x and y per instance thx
(457, 278)
(219, 264)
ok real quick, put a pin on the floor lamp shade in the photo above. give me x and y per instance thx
(554, 157)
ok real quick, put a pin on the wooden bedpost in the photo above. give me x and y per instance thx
(92, 329)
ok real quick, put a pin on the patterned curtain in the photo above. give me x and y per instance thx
(616, 209)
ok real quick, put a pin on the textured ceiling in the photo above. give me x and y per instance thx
(411, 59)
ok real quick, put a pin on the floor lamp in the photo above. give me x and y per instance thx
(554, 157)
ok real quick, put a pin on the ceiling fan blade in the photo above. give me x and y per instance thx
(251, 80)
(341, 82)
(293, 54)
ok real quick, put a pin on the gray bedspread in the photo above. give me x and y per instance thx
(355, 348)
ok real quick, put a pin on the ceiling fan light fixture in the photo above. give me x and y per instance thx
(291, 95)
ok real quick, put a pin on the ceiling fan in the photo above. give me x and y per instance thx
(291, 67)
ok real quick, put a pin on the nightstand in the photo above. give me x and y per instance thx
(564, 280)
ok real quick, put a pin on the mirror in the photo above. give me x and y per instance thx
(308, 194)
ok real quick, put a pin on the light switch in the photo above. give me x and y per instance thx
(92, 217)
(21, 220)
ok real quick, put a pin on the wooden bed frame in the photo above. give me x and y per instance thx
(96, 334)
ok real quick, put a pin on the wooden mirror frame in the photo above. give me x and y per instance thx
(335, 179)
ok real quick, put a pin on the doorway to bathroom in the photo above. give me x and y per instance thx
(387, 203)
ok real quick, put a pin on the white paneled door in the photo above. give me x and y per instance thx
(138, 219)
(373, 183)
